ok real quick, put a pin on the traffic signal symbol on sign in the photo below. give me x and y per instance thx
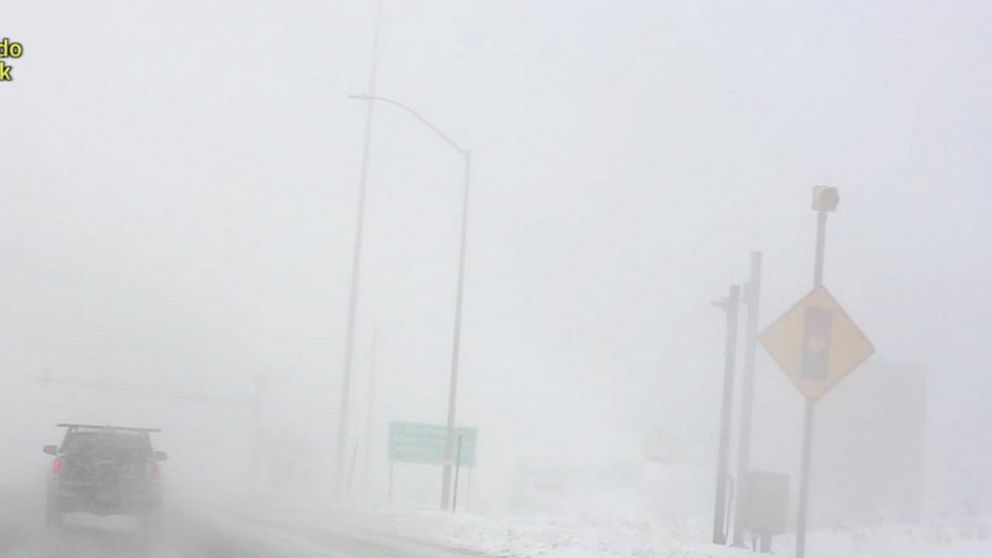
(816, 343)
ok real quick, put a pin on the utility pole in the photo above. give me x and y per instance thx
(752, 294)
(730, 307)
(825, 200)
(356, 263)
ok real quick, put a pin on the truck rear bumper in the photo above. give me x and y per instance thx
(101, 500)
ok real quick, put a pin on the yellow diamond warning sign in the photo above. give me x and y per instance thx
(816, 343)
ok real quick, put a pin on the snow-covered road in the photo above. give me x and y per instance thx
(191, 533)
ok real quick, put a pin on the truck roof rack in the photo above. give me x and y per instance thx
(73, 426)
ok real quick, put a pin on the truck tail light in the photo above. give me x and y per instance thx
(57, 466)
(154, 472)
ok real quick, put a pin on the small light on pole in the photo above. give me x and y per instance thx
(825, 198)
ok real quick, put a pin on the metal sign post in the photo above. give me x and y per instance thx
(729, 305)
(821, 233)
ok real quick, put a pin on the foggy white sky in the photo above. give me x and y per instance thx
(179, 185)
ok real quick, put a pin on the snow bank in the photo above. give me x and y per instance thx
(557, 537)
(586, 537)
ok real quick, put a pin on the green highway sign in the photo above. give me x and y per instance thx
(417, 442)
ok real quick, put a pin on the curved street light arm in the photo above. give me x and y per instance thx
(416, 115)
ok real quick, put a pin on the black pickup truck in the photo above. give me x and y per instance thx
(104, 470)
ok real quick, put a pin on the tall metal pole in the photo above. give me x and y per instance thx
(356, 261)
(730, 306)
(821, 233)
(456, 341)
(751, 298)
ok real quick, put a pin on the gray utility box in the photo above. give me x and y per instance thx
(767, 502)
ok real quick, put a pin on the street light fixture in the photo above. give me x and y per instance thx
(456, 335)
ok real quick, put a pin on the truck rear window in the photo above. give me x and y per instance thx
(82, 441)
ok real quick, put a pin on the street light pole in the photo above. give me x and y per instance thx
(456, 343)
(356, 263)
(457, 333)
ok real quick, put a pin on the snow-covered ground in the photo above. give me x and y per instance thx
(551, 537)
(579, 537)
(596, 536)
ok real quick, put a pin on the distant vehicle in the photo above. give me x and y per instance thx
(105, 470)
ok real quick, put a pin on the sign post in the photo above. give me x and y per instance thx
(730, 306)
(817, 345)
